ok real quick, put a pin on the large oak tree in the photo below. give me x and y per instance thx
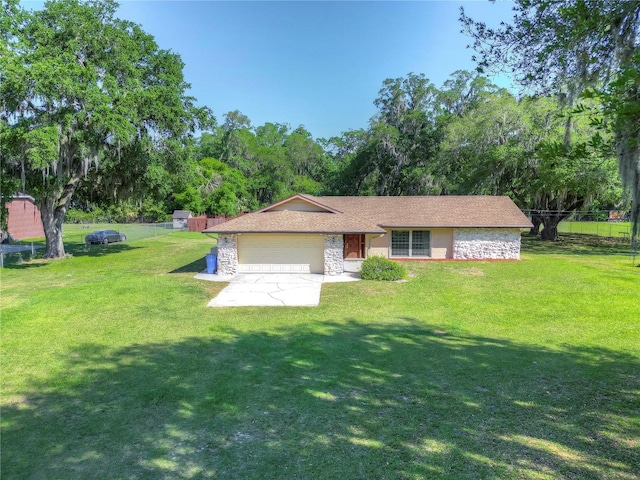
(80, 89)
(395, 155)
(506, 146)
(572, 46)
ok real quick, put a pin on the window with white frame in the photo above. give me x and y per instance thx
(410, 243)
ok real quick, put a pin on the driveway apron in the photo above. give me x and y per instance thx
(271, 290)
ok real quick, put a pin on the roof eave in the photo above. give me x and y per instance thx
(529, 225)
(312, 232)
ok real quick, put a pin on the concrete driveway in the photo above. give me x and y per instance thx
(273, 290)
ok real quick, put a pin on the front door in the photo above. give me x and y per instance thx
(353, 245)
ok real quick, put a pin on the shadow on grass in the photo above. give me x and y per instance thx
(83, 250)
(17, 265)
(577, 244)
(351, 400)
(196, 266)
(15, 255)
(73, 249)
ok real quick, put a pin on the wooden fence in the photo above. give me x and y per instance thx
(198, 224)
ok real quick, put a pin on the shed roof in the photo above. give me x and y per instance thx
(180, 214)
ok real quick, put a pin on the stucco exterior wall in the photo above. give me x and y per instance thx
(333, 255)
(486, 243)
(441, 243)
(460, 243)
(377, 246)
(298, 205)
(227, 254)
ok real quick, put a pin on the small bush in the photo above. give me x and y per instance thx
(380, 268)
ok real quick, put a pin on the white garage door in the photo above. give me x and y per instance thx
(283, 253)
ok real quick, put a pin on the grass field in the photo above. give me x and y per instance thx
(113, 367)
(75, 233)
(603, 229)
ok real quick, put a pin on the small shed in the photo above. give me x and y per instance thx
(24, 219)
(180, 218)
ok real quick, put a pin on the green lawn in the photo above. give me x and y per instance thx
(113, 367)
(75, 233)
(603, 229)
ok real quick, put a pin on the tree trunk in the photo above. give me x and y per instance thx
(537, 221)
(52, 224)
(635, 205)
(550, 227)
(53, 210)
(551, 218)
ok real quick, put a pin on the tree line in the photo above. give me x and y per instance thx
(467, 137)
(95, 117)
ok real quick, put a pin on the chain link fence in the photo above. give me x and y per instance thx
(621, 230)
(133, 231)
(75, 234)
(612, 226)
(602, 223)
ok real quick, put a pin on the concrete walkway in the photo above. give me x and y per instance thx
(272, 290)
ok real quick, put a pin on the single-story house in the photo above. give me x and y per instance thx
(180, 218)
(310, 234)
(24, 220)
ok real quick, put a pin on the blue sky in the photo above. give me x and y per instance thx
(317, 64)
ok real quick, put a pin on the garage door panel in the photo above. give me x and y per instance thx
(275, 268)
(272, 253)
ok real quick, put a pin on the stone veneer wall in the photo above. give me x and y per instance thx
(227, 254)
(486, 243)
(333, 255)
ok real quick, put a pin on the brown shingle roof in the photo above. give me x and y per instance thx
(370, 214)
(432, 211)
(287, 221)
